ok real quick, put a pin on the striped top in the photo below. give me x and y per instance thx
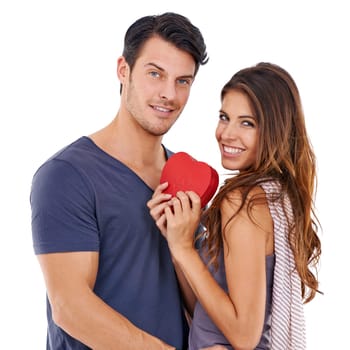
(287, 314)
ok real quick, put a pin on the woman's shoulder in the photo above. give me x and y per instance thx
(243, 194)
(250, 212)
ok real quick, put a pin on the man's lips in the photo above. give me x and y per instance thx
(162, 109)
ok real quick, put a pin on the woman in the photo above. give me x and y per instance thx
(247, 283)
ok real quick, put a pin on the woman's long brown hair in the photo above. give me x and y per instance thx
(284, 154)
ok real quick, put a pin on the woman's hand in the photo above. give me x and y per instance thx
(157, 204)
(177, 218)
(182, 219)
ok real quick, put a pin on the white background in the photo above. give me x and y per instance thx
(58, 82)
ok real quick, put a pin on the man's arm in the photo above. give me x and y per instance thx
(70, 278)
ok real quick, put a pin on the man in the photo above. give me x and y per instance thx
(108, 272)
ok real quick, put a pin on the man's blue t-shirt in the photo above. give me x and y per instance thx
(85, 200)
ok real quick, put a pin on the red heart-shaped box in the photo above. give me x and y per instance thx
(184, 173)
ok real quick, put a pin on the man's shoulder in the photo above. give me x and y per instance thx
(81, 146)
(75, 153)
(68, 160)
(62, 175)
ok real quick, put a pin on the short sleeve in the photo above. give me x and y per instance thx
(63, 210)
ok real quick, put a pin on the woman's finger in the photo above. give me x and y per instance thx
(160, 188)
(176, 206)
(195, 201)
(184, 200)
(161, 224)
(155, 200)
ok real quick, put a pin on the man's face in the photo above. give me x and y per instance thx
(156, 91)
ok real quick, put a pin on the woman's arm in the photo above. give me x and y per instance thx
(157, 205)
(240, 313)
(189, 297)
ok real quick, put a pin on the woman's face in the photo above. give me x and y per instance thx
(237, 131)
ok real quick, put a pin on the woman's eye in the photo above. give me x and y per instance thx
(248, 123)
(223, 117)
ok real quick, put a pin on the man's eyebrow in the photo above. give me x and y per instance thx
(154, 65)
(187, 76)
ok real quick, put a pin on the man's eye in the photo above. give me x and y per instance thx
(154, 74)
(184, 82)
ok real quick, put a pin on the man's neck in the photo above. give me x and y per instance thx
(140, 151)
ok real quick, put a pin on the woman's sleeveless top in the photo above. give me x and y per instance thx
(203, 332)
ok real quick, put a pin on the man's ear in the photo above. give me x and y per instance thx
(122, 69)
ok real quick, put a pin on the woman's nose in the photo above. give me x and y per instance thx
(230, 132)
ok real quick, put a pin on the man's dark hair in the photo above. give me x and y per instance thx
(173, 28)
